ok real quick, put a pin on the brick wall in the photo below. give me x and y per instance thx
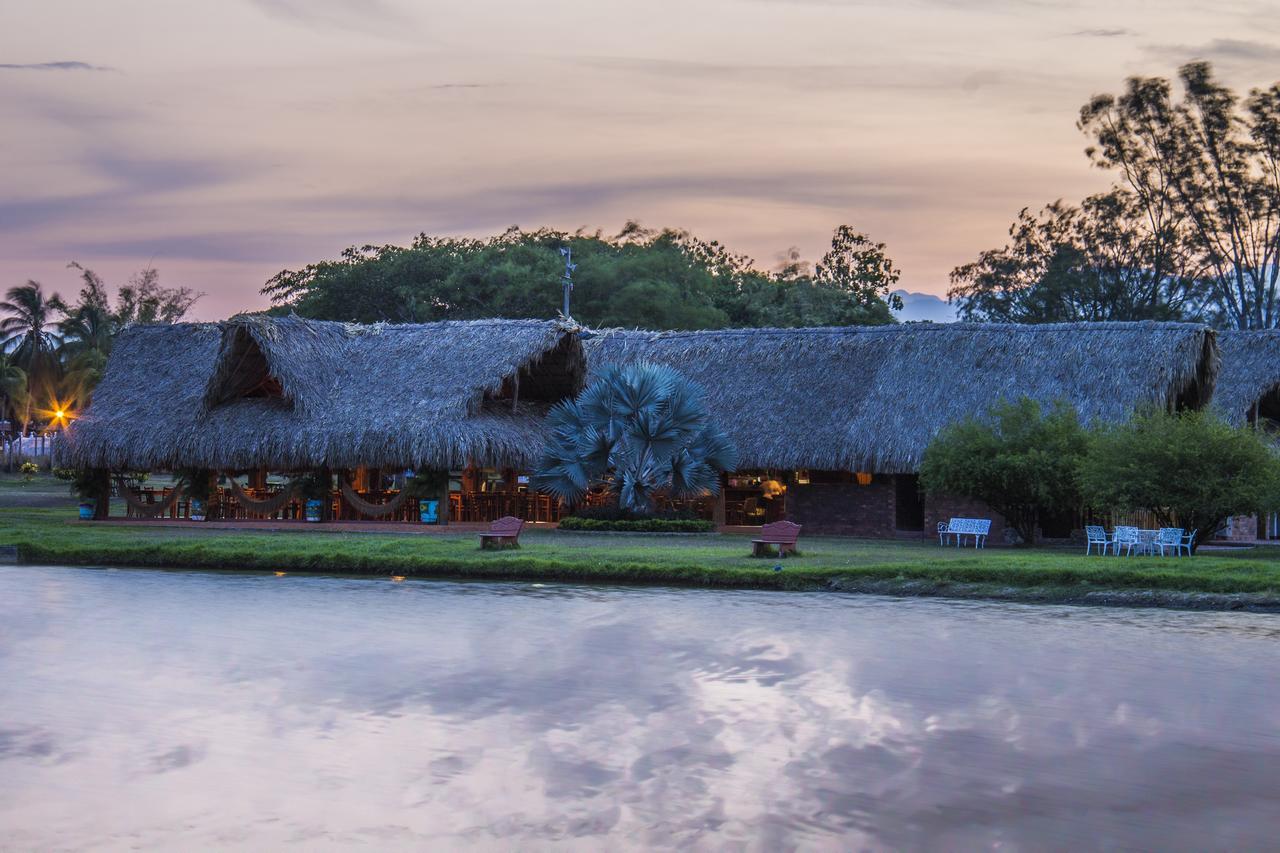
(847, 509)
(1244, 528)
(844, 509)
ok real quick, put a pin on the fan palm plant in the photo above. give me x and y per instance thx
(639, 429)
(25, 335)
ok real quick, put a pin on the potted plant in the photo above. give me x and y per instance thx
(315, 488)
(92, 486)
(430, 488)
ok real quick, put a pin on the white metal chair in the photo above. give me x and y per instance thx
(1127, 538)
(1169, 539)
(1187, 541)
(944, 530)
(1096, 535)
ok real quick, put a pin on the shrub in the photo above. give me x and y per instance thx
(1020, 460)
(1189, 469)
(28, 470)
(613, 512)
(638, 525)
(639, 429)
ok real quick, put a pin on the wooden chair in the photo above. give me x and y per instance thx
(503, 533)
(752, 512)
(782, 534)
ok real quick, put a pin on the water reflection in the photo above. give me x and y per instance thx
(150, 709)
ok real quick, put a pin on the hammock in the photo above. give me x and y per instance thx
(147, 510)
(263, 507)
(374, 510)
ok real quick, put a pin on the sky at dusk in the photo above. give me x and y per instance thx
(225, 141)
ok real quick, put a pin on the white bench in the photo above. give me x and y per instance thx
(978, 528)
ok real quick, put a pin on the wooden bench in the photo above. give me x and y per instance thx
(782, 534)
(978, 528)
(503, 533)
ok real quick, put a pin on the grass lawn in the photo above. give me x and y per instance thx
(39, 519)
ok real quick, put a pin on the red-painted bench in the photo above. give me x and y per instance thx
(782, 534)
(503, 533)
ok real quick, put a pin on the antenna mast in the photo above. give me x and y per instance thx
(567, 278)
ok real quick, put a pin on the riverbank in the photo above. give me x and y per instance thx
(1245, 579)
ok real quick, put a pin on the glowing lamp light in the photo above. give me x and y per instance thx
(863, 477)
(280, 574)
(397, 578)
(58, 413)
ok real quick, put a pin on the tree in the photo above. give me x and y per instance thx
(1019, 459)
(1189, 469)
(143, 300)
(25, 335)
(13, 390)
(666, 279)
(89, 327)
(1206, 168)
(639, 429)
(858, 268)
(88, 330)
(1103, 260)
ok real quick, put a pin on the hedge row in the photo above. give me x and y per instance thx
(639, 525)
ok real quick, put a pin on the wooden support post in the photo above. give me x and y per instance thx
(718, 510)
(102, 504)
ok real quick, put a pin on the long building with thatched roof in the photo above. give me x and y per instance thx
(831, 424)
(840, 417)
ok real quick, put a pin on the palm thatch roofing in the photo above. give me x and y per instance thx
(1250, 372)
(872, 398)
(291, 394)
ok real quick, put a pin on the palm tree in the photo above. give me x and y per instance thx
(87, 332)
(639, 429)
(25, 335)
(13, 389)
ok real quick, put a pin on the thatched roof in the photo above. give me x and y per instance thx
(1250, 371)
(871, 398)
(289, 393)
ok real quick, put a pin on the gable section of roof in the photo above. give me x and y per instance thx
(1250, 371)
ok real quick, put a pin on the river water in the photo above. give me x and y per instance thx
(144, 709)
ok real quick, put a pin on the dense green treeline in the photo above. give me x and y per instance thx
(664, 279)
